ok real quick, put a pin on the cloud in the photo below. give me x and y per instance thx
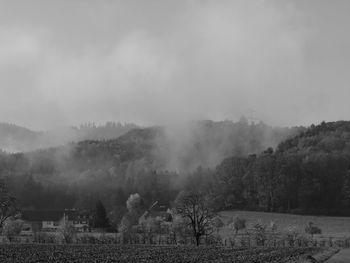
(200, 59)
(17, 47)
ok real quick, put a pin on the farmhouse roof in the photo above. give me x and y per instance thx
(157, 211)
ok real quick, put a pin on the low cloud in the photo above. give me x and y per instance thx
(208, 60)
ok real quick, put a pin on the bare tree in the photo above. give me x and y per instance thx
(8, 204)
(67, 231)
(198, 213)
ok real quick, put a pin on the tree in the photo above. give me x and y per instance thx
(67, 231)
(116, 215)
(12, 228)
(100, 216)
(311, 229)
(8, 204)
(125, 228)
(150, 228)
(197, 211)
(135, 206)
(237, 223)
(134, 203)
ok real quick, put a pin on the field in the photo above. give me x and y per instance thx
(338, 227)
(137, 253)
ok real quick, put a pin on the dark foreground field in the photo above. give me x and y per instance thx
(143, 253)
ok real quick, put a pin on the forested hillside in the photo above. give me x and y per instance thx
(155, 162)
(309, 173)
(305, 173)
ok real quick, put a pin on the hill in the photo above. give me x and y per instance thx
(180, 149)
(151, 161)
(328, 137)
(14, 138)
(308, 173)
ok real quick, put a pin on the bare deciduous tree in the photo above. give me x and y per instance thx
(67, 231)
(198, 213)
(8, 204)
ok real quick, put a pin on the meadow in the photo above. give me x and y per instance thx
(337, 227)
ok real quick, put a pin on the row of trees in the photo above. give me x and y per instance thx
(316, 183)
(193, 214)
(294, 183)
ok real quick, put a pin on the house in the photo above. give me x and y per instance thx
(52, 220)
(157, 211)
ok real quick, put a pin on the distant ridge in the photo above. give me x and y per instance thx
(14, 138)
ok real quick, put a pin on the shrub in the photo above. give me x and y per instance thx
(237, 223)
(12, 228)
(68, 232)
(302, 241)
(292, 235)
(43, 237)
(85, 239)
(217, 223)
(214, 240)
(311, 229)
(273, 226)
(260, 234)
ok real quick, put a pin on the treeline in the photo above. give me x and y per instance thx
(308, 174)
(112, 190)
(79, 174)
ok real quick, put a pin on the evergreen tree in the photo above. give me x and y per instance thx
(100, 216)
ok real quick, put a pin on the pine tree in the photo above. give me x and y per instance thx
(100, 216)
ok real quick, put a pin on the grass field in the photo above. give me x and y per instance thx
(338, 227)
(147, 253)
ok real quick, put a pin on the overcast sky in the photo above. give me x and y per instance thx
(153, 62)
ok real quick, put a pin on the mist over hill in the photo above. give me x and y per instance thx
(14, 138)
(154, 162)
(207, 143)
(239, 164)
(180, 148)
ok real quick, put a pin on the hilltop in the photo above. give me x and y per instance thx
(14, 138)
(330, 137)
